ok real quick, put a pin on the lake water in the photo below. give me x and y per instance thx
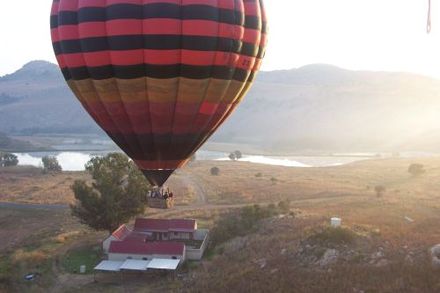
(75, 161)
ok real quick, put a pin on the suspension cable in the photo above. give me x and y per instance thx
(428, 24)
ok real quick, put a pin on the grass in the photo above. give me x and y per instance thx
(5, 271)
(29, 185)
(88, 256)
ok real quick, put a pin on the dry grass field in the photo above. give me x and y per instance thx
(389, 253)
(30, 185)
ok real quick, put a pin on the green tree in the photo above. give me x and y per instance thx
(235, 155)
(8, 160)
(116, 194)
(238, 155)
(51, 165)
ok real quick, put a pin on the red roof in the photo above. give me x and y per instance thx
(148, 248)
(139, 237)
(162, 225)
(121, 233)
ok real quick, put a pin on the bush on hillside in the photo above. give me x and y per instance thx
(380, 190)
(8, 160)
(51, 165)
(416, 169)
(215, 171)
(332, 236)
(241, 222)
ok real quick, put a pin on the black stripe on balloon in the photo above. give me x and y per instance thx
(151, 146)
(155, 42)
(156, 10)
(155, 71)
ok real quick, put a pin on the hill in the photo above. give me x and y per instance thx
(322, 107)
(8, 144)
(313, 108)
(36, 99)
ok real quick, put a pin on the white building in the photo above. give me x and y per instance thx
(157, 238)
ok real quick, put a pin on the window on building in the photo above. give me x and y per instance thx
(145, 258)
(129, 257)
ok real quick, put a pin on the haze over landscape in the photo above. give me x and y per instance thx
(316, 107)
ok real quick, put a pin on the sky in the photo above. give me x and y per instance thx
(378, 35)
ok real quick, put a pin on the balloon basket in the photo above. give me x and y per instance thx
(160, 203)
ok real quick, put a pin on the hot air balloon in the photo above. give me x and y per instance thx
(159, 76)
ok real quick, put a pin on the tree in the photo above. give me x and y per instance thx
(238, 155)
(215, 171)
(8, 160)
(117, 193)
(380, 189)
(416, 169)
(50, 164)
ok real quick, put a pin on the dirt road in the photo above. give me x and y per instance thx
(197, 187)
(28, 206)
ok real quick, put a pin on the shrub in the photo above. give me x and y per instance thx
(332, 236)
(241, 222)
(31, 257)
(259, 175)
(380, 190)
(284, 206)
(8, 160)
(238, 155)
(50, 164)
(416, 169)
(215, 171)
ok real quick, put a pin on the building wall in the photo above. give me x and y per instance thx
(123, 256)
(197, 254)
(180, 235)
(201, 234)
(106, 243)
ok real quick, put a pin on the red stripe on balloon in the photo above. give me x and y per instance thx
(252, 8)
(55, 8)
(159, 165)
(208, 108)
(152, 27)
(68, 5)
(263, 41)
(250, 35)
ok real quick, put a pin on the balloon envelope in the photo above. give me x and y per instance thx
(159, 76)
